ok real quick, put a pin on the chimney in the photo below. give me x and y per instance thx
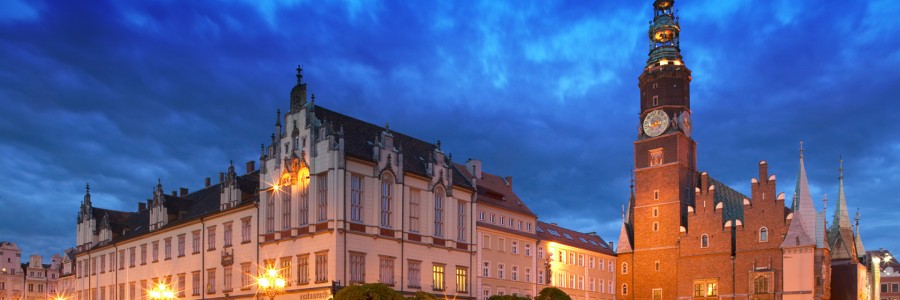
(142, 206)
(251, 166)
(221, 177)
(474, 166)
(183, 192)
(509, 181)
(206, 182)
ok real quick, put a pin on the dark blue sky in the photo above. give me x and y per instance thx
(121, 93)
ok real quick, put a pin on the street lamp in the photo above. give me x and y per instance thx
(271, 283)
(161, 292)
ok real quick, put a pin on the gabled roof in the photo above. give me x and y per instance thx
(495, 191)
(360, 138)
(565, 236)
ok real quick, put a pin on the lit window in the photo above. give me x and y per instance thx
(656, 156)
(437, 277)
(462, 279)
(657, 294)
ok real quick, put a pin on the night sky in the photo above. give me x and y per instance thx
(120, 93)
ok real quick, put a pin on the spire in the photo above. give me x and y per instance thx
(664, 34)
(278, 119)
(802, 229)
(860, 250)
(626, 234)
(298, 93)
(87, 194)
(840, 235)
(841, 216)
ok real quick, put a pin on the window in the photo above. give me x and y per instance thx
(132, 290)
(195, 284)
(414, 210)
(704, 241)
(245, 230)
(515, 247)
(181, 238)
(481, 216)
(611, 266)
(656, 212)
(439, 212)
(437, 278)
(357, 267)
(528, 226)
(167, 248)
(500, 269)
(285, 194)
(386, 199)
(581, 260)
(486, 269)
(527, 249)
(226, 277)
(655, 194)
(182, 285)
(884, 287)
(270, 213)
(624, 289)
(211, 281)
(761, 285)
(386, 270)
(655, 98)
(461, 221)
(540, 277)
(143, 254)
(121, 259)
(656, 156)
(286, 269)
(708, 288)
(527, 274)
(581, 282)
(245, 275)
(195, 241)
(492, 218)
(131, 257)
(592, 262)
(414, 274)
(656, 265)
(502, 220)
(226, 234)
(304, 199)
(624, 268)
(486, 242)
(657, 294)
(102, 265)
(321, 267)
(540, 252)
(462, 280)
(211, 238)
(763, 234)
(515, 273)
(356, 198)
(322, 183)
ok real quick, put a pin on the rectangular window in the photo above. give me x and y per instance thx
(211, 281)
(581, 260)
(461, 221)
(500, 271)
(540, 277)
(131, 257)
(704, 288)
(167, 248)
(195, 241)
(155, 251)
(527, 274)
(414, 210)
(132, 290)
(656, 156)
(437, 278)
(285, 194)
(486, 242)
(226, 234)
(122, 259)
(515, 247)
(195, 284)
(540, 252)
(501, 244)
(211, 238)
(181, 238)
(515, 273)
(144, 288)
(527, 249)
(895, 288)
(286, 269)
(481, 216)
(486, 269)
(226, 278)
(321, 267)
(245, 275)
(386, 267)
(303, 269)
(304, 202)
(245, 230)
(414, 273)
(356, 198)
(270, 213)
(182, 284)
(462, 279)
(112, 261)
(357, 267)
(655, 98)
(386, 198)
(102, 265)
(438, 214)
(322, 183)
(144, 254)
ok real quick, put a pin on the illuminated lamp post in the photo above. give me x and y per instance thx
(271, 284)
(161, 292)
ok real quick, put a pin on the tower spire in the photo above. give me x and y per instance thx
(802, 229)
(664, 34)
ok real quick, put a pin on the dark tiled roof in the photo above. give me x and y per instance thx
(507, 229)
(189, 207)
(732, 201)
(360, 138)
(495, 191)
(580, 240)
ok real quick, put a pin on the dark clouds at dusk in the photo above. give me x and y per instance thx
(120, 93)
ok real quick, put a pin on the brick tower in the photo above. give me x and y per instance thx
(665, 168)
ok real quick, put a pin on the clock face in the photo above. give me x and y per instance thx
(686, 123)
(655, 123)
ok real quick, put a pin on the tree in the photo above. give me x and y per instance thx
(507, 297)
(552, 293)
(422, 295)
(371, 291)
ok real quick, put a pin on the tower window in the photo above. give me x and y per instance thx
(624, 268)
(656, 264)
(656, 156)
(655, 194)
(655, 226)
(624, 289)
(656, 212)
(655, 98)
(763, 234)
(655, 85)
(704, 241)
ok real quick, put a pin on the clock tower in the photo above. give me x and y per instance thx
(664, 167)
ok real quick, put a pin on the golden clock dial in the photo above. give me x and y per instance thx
(656, 122)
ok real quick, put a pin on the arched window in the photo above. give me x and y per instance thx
(387, 182)
(763, 234)
(704, 241)
(439, 212)
(624, 268)
(624, 289)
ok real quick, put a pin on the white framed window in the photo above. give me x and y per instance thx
(500, 271)
(322, 183)
(414, 210)
(356, 198)
(414, 274)
(527, 249)
(763, 234)
(515, 273)
(439, 213)
(386, 199)
(486, 269)
(357, 267)
(386, 274)
(515, 247)
(461, 221)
